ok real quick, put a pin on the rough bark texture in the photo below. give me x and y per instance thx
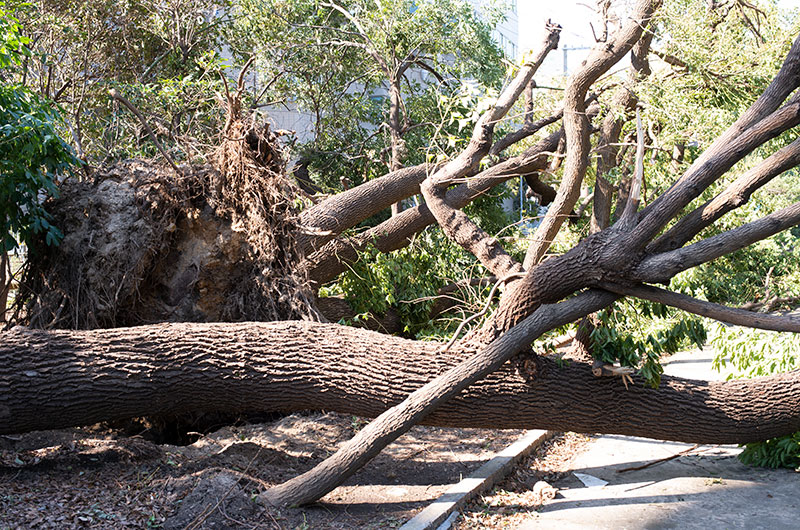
(576, 125)
(53, 379)
(333, 258)
(390, 425)
(735, 195)
(64, 378)
(661, 267)
(730, 315)
(760, 123)
(324, 221)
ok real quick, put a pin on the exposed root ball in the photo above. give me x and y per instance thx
(142, 245)
(115, 230)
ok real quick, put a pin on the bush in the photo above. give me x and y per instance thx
(32, 153)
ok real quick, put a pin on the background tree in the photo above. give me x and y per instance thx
(382, 65)
(32, 155)
(159, 55)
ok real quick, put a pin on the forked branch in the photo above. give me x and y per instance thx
(760, 123)
(662, 267)
(628, 219)
(576, 125)
(455, 223)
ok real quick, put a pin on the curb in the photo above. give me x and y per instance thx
(481, 480)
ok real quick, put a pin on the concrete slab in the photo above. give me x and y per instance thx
(481, 480)
(707, 488)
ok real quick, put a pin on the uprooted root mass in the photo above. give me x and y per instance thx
(143, 245)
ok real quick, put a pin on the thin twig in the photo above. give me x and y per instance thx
(116, 95)
(660, 460)
(483, 311)
(240, 81)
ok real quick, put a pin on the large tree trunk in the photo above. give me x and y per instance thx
(64, 378)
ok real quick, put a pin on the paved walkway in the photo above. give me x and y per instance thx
(707, 488)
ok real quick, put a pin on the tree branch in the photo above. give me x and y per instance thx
(576, 126)
(662, 267)
(337, 213)
(761, 122)
(734, 196)
(528, 128)
(332, 259)
(455, 223)
(738, 317)
(119, 97)
(628, 219)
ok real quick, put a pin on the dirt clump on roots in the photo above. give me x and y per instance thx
(143, 244)
(252, 190)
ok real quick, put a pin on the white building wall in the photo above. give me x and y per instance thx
(506, 34)
(288, 117)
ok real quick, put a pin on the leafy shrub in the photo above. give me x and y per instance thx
(405, 280)
(628, 335)
(774, 453)
(32, 153)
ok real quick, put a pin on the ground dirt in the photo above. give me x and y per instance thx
(91, 478)
(517, 498)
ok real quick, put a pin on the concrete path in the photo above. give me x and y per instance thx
(707, 488)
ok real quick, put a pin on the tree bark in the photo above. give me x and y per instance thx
(576, 126)
(455, 223)
(734, 196)
(5, 284)
(333, 259)
(331, 217)
(56, 379)
(393, 423)
(761, 122)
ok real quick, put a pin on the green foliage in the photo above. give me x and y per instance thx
(774, 453)
(158, 51)
(761, 273)
(336, 65)
(184, 111)
(740, 277)
(755, 353)
(728, 65)
(32, 154)
(405, 280)
(769, 268)
(627, 335)
(13, 44)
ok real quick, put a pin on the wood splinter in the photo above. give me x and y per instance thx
(601, 369)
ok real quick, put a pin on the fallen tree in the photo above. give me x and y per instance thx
(59, 378)
(63, 378)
